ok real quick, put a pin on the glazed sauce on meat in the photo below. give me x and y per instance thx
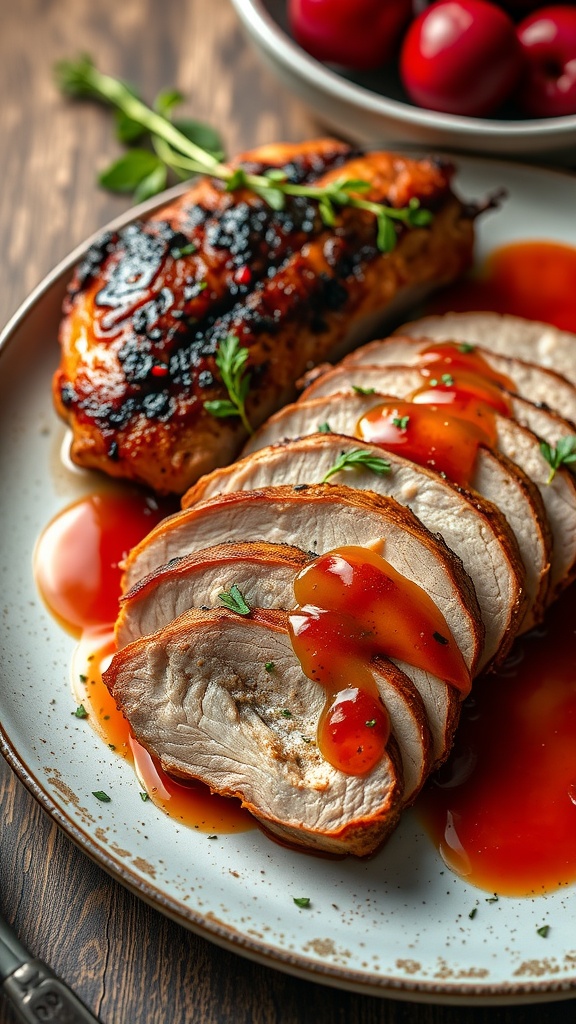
(502, 811)
(352, 606)
(444, 441)
(77, 568)
(442, 424)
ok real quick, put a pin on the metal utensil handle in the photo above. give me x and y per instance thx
(38, 996)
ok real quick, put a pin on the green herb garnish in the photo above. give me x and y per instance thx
(400, 421)
(363, 391)
(370, 724)
(144, 796)
(473, 913)
(188, 148)
(234, 600)
(286, 713)
(358, 457)
(230, 360)
(80, 712)
(269, 666)
(101, 796)
(324, 428)
(447, 379)
(564, 454)
(301, 901)
(543, 931)
(466, 347)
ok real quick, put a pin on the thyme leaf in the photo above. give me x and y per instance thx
(188, 148)
(358, 457)
(234, 600)
(230, 360)
(564, 454)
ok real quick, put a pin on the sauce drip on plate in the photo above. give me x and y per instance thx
(354, 606)
(503, 809)
(77, 566)
(533, 279)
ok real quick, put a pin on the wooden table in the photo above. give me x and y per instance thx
(128, 963)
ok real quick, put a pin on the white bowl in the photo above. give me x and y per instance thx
(370, 108)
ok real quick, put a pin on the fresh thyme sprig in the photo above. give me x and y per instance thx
(230, 360)
(183, 152)
(564, 454)
(358, 457)
(234, 600)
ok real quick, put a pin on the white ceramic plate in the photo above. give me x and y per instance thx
(396, 925)
(372, 106)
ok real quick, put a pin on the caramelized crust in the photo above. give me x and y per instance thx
(148, 308)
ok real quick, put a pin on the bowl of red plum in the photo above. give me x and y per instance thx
(496, 77)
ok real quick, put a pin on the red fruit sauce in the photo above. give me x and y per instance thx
(78, 573)
(353, 606)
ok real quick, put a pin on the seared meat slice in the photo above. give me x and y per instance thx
(531, 381)
(318, 519)
(558, 498)
(508, 486)
(198, 696)
(508, 335)
(474, 529)
(147, 311)
(263, 572)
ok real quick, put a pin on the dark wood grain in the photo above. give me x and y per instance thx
(128, 963)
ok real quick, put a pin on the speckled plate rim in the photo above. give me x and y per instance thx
(50, 292)
(275, 41)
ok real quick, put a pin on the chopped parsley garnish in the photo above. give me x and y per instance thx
(492, 899)
(324, 428)
(80, 712)
(466, 347)
(370, 724)
(301, 901)
(234, 600)
(100, 795)
(363, 391)
(183, 250)
(358, 457)
(447, 379)
(286, 713)
(544, 931)
(564, 454)
(144, 796)
(269, 666)
(400, 421)
(473, 913)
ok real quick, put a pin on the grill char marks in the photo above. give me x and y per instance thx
(145, 316)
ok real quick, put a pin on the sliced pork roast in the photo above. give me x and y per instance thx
(199, 697)
(263, 572)
(520, 446)
(535, 383)
(471, 527)
(507, 335)
(495, 478)
(319, 519)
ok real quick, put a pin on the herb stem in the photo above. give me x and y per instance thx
(182, 154)
(93, 82)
